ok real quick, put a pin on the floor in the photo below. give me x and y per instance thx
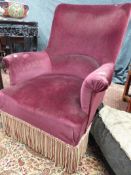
(113, 97)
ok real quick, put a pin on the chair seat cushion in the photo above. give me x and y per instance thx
(49, 102)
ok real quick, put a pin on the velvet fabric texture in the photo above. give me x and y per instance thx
(96, 31)
(24, 66)
(49, 102)
(59, 90)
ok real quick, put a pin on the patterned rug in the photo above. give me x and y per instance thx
(18, 159)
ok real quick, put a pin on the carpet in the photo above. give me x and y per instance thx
(18, 159)
(113, 97)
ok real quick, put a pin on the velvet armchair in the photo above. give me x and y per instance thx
(54, 94)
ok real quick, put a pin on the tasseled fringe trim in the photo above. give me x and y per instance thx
(64, 155)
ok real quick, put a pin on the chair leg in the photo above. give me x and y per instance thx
(126, 96)
(129, 106)
(126, 89)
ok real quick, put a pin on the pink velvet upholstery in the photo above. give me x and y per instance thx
(96, 31)
(24, 66)
(58, 90)
(42, 103)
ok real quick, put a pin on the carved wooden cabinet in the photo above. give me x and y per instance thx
(17, 36)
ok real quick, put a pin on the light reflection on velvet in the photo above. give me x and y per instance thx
(26, 65)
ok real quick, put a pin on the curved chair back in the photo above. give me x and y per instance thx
(92, 30)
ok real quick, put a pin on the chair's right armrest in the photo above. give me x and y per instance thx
(27, 65)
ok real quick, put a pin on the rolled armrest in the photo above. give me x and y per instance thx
(26, 65)
(101, 78)
(95, 83)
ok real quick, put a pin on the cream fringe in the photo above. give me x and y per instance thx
(62, 154)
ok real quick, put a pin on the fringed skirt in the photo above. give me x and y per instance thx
(63, 154)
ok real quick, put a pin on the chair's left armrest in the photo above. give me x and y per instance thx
(94, 86)
(26, 65)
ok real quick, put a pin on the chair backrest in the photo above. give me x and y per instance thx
(91, 30)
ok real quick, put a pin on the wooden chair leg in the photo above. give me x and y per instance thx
(126, 89)
(126, 96)
(129, 106)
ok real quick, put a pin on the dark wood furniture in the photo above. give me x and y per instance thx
(17, 36)
(126, 95)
